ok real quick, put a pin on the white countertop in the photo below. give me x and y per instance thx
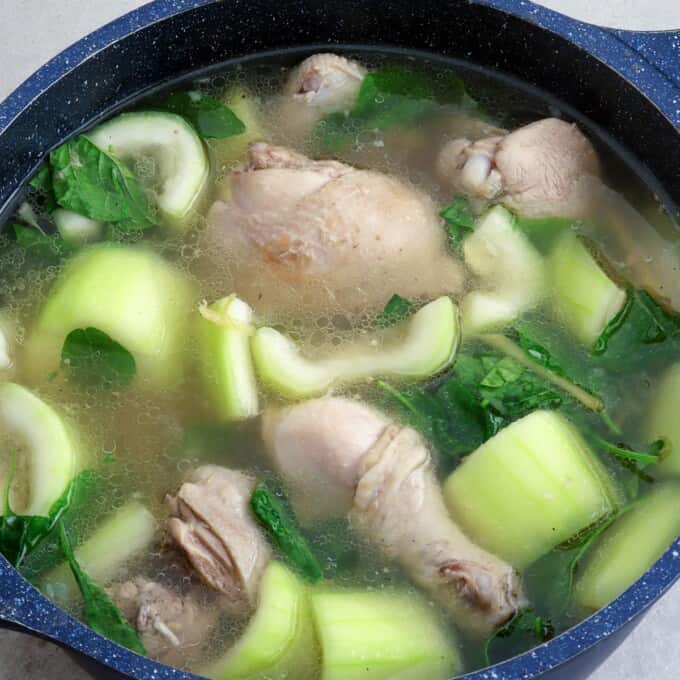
(32, 31)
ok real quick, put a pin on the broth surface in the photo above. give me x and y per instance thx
(141, 441)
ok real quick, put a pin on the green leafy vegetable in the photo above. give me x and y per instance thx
(650, 455)
(21, 535)
(100, 613)
(612, 327)
(48, 249)
(388, 96)
(92, 183)
(426, 412)
(539, 361)
(641, 322)
(543, 231)
(459, 220)
(484, 393)
(397, 309)
(283, 529)
(211, 118)
(513, 390)
(524, 630)
(42, 184)
(540, 354)
(551, 579)
(633, 460)
(96, 358)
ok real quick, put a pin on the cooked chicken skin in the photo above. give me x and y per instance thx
(320, 234)
(532, 170)
(321, 84)
(212, 524)
(321, 470)
(172, 627)
(381, 474)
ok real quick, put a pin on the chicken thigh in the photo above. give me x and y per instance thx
(212, 524)
(313, 235)
(534, 170)
(381, 474)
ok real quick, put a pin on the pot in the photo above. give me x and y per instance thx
(626, 85)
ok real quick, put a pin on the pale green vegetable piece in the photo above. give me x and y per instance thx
(179, 157)
(382, 635)
(529, 488)
(511, 271)
(125, 534)
(427, 344)
(76, 229)
(36, 430)
(7, 342)
(128, 292)
(664, 420)
(630, 546)
(279, 642)
(232, 150)
(224, 331)
(585, 298)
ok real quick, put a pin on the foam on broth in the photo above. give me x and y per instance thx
(143, 442)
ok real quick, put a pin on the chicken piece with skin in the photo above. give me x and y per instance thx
(321, 234)
(534, 170)
(381, 474)
(212, 524)
(173, 627)
(321, 470)
(322, 84)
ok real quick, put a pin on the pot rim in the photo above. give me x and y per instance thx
(24, 607)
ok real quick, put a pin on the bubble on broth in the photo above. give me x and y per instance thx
(137, 438)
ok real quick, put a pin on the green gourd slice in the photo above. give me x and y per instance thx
(529, 488)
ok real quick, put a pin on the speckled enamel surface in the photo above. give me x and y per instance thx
(651, 61)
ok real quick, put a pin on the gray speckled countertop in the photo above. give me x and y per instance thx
(32, 31)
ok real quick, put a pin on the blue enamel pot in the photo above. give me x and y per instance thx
(627, 85)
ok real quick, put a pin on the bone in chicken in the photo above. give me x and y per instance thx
(534, 170)
(381, 474)
(173, 627)
(549, 168)
(325, 234)
(213, 525)
(323, 83)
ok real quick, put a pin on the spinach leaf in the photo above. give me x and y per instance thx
(543, 231)
(100, 613)
(281, 526)
(93, 183)
(642, 323)
(483, 394)
(211, 118)
(41, 182)
(397, 309)
(649, 455)
(512, 390)
(48, 249)
(389, 96)
(459, 220)
(635, 460)
(86, 490)
(21, 534)
(427, 413)
(524, 630)
(96, 358)
(550, 579)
